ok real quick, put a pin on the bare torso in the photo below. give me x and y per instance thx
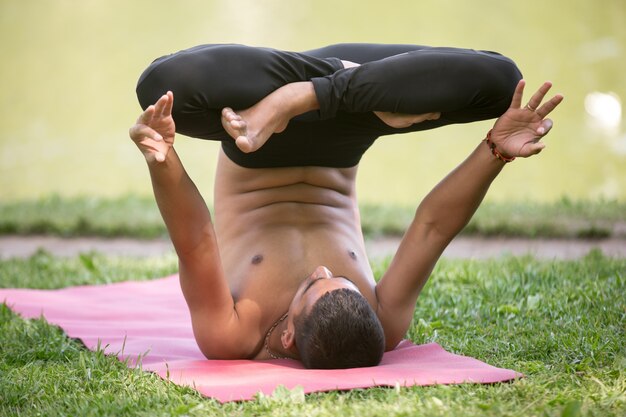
(275, 226)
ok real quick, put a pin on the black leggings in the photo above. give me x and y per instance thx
(463, 85)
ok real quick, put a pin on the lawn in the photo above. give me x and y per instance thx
(134, 216)
(561, 323)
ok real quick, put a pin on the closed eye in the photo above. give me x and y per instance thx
(310, 284)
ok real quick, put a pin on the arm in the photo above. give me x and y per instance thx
(450, 205)
(214, 319)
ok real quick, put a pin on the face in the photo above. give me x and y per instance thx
(312, 288)
(316, 285)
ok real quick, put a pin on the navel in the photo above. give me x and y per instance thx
(352, 254)
(257, 259)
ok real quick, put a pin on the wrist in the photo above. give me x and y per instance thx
(494, 149)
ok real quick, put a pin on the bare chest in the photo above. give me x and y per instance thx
(267, 267)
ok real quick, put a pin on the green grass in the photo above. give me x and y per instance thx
(83, 216)
(561, 219)
(139, 217)
(561, 323)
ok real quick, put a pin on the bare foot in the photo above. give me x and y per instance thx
(252, 127)
(400, 120)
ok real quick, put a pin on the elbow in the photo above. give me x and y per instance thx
(192, 248)
(219, 349)
(219, 354)
(434, 233)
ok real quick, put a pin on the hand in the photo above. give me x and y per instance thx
(154, 131)
(518, 132)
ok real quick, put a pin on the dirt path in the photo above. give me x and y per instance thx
(461, 247)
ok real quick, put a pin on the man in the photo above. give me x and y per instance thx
(282, 272)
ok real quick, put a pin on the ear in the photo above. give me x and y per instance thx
(288, 338)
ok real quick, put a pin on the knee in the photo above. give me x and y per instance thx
(170, 73)
(499, 85)
(152, 84)
(504, 77)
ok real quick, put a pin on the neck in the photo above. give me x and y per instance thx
(273, 342)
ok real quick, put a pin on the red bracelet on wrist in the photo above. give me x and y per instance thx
(494, 150)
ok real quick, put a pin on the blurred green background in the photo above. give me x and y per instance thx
(69, 70)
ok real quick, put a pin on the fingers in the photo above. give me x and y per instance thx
(531, 148)
(167, 109)
(146, 116)
(163, 106)
(516, 102)
(535, 148)
(545, 127)
(534, 104)
(548, 106)
(140, 131)
(537, 98)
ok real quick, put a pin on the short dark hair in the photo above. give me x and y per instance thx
(341, 331)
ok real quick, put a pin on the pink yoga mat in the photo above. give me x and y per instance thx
(149, 319)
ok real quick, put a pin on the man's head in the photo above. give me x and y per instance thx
(333, 325)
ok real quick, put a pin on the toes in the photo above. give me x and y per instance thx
(234, 117)
(230, 115)
(238, 124)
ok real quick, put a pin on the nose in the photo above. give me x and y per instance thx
(322, 272)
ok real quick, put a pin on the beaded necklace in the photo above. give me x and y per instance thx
(267, 338)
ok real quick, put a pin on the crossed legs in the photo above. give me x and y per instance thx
(402, 90)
